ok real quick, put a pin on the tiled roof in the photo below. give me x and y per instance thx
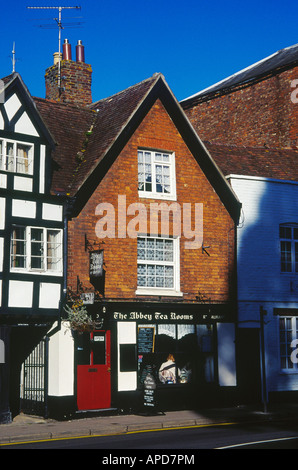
(249, 161)
(84, 135)
(68, 124)
(90, 138)
(113, 114)
(279, 61)
(8, 78)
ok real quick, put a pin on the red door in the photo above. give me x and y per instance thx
(94, 376)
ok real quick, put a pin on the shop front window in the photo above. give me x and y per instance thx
(176, 354)
(172, 354)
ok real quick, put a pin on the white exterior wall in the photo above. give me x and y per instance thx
(24, 124)
(126, 335)
(266, 203)
(27, 212)
(21, 291)
(61, 363)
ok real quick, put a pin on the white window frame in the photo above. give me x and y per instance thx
(293, 243)
(156, 159)
(289, 335)
(10, 163)
(28, 243)
(162, 291)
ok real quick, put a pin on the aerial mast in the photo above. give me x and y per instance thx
(13, 58)
(60, 27)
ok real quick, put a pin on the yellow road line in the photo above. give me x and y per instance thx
(182, 427)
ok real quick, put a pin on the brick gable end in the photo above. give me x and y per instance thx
(199, 273)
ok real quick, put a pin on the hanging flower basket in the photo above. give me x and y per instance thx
(78, 318)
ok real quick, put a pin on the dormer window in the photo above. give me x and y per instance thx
(156, 174)
(16, 157)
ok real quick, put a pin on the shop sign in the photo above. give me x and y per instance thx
(168, 317)
(96, 264)
(87, 298)
(154, 316)
(213, 317)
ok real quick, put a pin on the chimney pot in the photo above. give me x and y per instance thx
(66, 50)
(56, 57)
(80, 52)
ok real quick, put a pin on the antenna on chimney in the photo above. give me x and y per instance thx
(60, 27)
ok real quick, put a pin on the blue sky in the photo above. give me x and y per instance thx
(194, 43)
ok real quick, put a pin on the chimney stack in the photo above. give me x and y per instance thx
(76, 77)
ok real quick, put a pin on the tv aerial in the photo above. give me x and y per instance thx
(60, 27)
(13, 58)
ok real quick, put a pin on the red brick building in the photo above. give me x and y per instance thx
(151, 246)
(256, 107)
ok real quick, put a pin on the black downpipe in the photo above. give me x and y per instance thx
(263, 359)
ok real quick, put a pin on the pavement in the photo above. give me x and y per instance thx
(26, 428)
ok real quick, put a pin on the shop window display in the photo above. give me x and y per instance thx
(177, 354)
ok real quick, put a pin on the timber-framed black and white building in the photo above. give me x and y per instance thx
(32, 238)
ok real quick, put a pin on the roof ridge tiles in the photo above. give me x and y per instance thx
(275, 62)
(61, 103)
(154, 77)
(250, 147)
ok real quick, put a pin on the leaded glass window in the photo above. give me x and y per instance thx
(156, 262)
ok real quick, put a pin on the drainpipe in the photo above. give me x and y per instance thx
(263, 359)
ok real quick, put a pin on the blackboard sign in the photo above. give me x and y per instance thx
(96, 263)
(149, 398)
(146, 339)
(149, 391)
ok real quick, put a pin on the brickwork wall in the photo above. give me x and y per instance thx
(199, 273)
(76, 78)
(261, 115)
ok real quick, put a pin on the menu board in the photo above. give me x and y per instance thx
(146, 339)
(149, 391)
(149, 397)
